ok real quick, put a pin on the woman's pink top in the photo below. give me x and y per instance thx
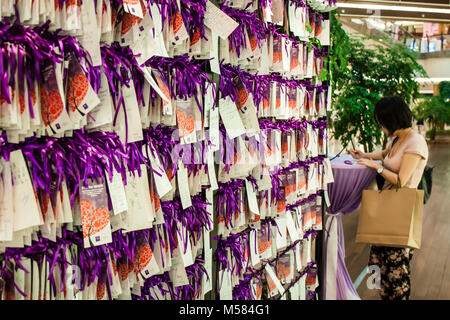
(416, 144)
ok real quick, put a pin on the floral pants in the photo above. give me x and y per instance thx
(394, 264)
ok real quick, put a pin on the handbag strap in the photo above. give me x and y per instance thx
(398, 185)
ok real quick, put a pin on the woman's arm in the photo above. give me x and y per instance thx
(376, 155)
(410, 162)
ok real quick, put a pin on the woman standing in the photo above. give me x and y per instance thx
(403, 160)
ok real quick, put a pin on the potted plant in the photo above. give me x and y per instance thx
(360, 76)
(435, 111)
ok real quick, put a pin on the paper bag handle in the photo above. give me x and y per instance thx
(399, 184)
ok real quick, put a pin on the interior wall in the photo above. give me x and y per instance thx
(436, 67)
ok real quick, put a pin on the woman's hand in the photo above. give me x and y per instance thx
(369, 163)
(356, 154)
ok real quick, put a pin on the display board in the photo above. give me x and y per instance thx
(162, 149)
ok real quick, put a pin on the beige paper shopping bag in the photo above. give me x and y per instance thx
(391, 218)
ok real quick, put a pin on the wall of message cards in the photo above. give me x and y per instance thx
(144, 141)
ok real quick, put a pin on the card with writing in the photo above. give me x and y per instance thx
(281, 235)
(291, 187)
(155, 201)
(26, 211)
(274, 285)
(207, 282)
(286, 55)
(90, 38)
(161, 178)
(298, 256)
(307, 221)
(306, 253)
(103, 113)
(225, 284)
(184, 245)
(312, 178)
(318, 205)
(290, 224)
(253, 247)
(177, 273)
(140, 214)
(218, 21)
(278, 11)
(116, 191)
(48, 229)
(302, 288)
(183, 186)
(312, 208)
(6, 202)
(231, 118)
(129, 127)
(328, 172)
(298, 220)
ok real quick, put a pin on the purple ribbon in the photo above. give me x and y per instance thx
(191, 291)
(243, 290)
(230, 198)
(248, 24)
(185, 78)
(258, 85)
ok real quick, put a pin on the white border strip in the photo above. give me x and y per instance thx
(393, 8)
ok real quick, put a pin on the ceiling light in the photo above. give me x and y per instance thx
(393, 8)
(376, 24)
(406, 23)
(357, 21)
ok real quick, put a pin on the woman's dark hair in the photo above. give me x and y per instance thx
(393, 114)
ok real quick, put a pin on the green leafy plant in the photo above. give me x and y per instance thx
(360, 76)
(435, 110)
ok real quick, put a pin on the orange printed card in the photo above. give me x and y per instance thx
(144, 262)
(95, 214)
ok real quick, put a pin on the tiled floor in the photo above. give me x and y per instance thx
(431, 264)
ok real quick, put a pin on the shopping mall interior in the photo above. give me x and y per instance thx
(423, 26)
